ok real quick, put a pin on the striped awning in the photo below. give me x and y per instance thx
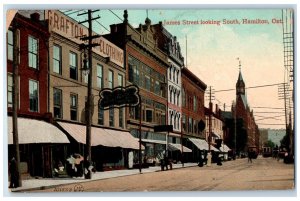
(100, 136)
(202, 144)
(176, 147)
(32, 131)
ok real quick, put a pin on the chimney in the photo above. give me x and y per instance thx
(113, 28)
(35, 17)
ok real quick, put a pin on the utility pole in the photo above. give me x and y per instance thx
(15, 100)
(89, 105)
(209, 128)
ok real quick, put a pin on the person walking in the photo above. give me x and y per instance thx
(249, 156)
(14, 180)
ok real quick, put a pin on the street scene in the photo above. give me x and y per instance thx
(238, 175)
(149, 100)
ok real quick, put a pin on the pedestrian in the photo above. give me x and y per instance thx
(249, 156)
(14, 173)
(200, 164)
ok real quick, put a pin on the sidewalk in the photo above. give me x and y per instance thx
(44, 183)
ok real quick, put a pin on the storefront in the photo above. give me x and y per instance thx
(111, 149)
(40, 142)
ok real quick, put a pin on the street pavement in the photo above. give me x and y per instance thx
(44, 183)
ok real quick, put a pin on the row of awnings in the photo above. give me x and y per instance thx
(32, 131)
(101, 136)
(203, 145)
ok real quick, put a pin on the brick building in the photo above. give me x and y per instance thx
(244, 112)
(193, 114)
(146, 66)
(36, 143)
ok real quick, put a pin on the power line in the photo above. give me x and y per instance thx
(259, 86)
(270, 107)
(116, 15)
(102, 25)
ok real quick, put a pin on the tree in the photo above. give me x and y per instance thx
(270, 143)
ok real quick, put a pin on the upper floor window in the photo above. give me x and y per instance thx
(10, 45)
(33, 47)
(120, 80)
(110, 79)
(183, 98)
(73, 65)
(33, 96)
(57, 59)
(195, 104)
(100, 76)
(57, 102)
(9, 90)
(100, 115)
(111, 117)
(73, 107)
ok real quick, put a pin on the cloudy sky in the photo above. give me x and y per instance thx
(213, 49)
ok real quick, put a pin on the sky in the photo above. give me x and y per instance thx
(215, 50)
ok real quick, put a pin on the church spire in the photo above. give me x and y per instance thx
(240, 84)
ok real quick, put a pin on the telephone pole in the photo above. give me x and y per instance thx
(16, 101)
(89, 105)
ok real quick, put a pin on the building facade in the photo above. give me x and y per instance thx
(146, 67)
(170, 45)
(217, 129)
(243, 112)
(193, 114)
(36, 145)
(68, 91)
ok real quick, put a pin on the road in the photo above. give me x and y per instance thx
(261, 174)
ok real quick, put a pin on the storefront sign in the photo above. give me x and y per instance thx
(69, 28)
(119, 97)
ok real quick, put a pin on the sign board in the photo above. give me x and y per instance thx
(72, 30)
(163, 128)
(119, 97)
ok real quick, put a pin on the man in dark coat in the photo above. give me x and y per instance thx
(14, 180)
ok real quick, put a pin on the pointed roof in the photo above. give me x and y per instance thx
(240, 80)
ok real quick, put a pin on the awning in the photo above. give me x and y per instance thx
(224, 148)
(175, 147)
(154, 141)
(216, 135)
(202, 144)
(100, 136)
(31, 131)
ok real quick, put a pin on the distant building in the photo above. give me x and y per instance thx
(243, 112)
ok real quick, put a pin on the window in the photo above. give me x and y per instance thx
(134, 112)
(73, 107)
(100, 115)
(174, 124)
(149, 115)
(100, 76)
(57, 59)
(32, 52)
(183, 98)
(171, 95)
(111, 117)
(33, 96)
(175, 97)
(147, 82)
(157, 88)
(10, 45)
(195, 104)
(110, 79)
(73, 65)
(57, 102)
(121, 124)
(9, 90)
(170, 73)
(183, 123)
(177, 76)
(120, 80)
(190, 125)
